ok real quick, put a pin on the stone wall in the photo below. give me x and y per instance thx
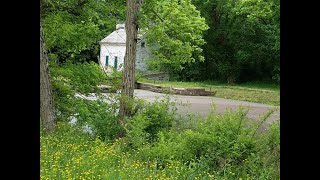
(143, 53)
(160, 76)
(181, 91)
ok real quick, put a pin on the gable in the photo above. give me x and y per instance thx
(116, 37)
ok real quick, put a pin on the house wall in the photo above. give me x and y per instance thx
(143, 53)
(112, 50)
(119, 50)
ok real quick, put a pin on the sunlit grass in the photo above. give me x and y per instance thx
(70, 154)
(258, 92)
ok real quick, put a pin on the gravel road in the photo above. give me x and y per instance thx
(202, 105)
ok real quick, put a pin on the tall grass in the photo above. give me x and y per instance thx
(70, 154)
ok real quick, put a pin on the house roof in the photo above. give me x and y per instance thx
(116, 37)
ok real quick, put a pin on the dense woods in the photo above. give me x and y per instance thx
(243, 41)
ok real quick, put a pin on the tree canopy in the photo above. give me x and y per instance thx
(224, 40)
(73, 28)
(243, 42)
(174, 29)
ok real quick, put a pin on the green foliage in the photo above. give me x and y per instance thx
(219, 147)
(231, 140)
(243, 42)
(101, 116)
(68, 79)
(115, 80)
(78, 77)
(222, 144)
(73, 28)
(69, 154)
(149, 120)
(67, 39)
(174, 30)
(136, 134)
(71, 80)
(85, 76)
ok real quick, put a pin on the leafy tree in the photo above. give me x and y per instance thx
(69, 79)
(74, 27)
(243, 40)
(174, 28)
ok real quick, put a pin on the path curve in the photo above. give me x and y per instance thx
(202, 105)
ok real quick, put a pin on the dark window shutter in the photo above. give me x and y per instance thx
(116, 62)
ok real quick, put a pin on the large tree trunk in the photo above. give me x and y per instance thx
(129, 65)
(46, 100)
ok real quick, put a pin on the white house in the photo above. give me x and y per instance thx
(113, 49)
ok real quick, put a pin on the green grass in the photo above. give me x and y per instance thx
(266, 93)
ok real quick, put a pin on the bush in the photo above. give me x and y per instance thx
(221, 143)
(115, 80)
(101, 116)
(149, 120)
(230, 140)
(68, 79)
(85, 77)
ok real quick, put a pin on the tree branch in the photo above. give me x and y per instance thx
(157, 15)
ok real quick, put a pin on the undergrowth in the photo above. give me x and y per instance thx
(213, 147)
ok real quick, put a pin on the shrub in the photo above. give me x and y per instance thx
(101, 116)
(68, 79)
(148, 120)
(115, 80)
(220, 143)
(85, 77)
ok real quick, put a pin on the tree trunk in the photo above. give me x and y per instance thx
(46, 100)
(129, 65)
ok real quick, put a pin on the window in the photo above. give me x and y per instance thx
(143, 44)
(116, 62)
(107, 60)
